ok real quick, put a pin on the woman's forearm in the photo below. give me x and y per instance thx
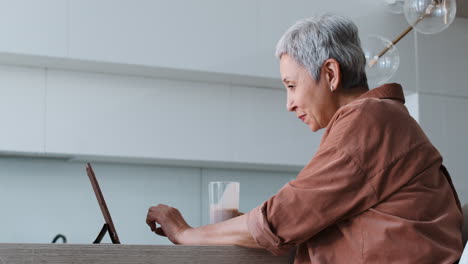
(231, 232)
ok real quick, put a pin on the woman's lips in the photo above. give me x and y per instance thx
(302, 117)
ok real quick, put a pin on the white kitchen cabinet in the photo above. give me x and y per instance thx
(34, 27)
(205, 35)
(22, 109)
(232, 37)
(110, 115)
(263, 131)
(134, 119)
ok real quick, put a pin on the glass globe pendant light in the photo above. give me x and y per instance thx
(426, 16)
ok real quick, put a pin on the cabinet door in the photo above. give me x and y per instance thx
(206, 35)
(34, 27)
(265, 132)
(109, 115)
(22, 109)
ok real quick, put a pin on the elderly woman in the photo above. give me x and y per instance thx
(375, 191)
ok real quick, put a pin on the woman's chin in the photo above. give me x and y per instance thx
(314, 127)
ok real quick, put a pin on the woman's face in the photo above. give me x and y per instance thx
(312, 101)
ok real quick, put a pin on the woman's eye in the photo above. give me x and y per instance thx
(290, 86)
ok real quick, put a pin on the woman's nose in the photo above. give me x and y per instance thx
(290, 104)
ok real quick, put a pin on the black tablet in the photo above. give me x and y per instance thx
(109, 225)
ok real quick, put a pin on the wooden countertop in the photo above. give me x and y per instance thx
(119, 254)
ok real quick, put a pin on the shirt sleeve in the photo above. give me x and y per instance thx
(331, 188)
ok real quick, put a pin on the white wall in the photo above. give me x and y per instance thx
(59, 111)
(236, 37)
(412, 104)
(443, 97)
(92, 113)
(445, 122)
(40, 198)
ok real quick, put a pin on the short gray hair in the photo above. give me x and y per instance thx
(313, 40)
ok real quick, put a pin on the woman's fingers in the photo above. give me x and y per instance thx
(170, 221)
(154, 212)
(160, 231)
(151, 218)
(152, 225)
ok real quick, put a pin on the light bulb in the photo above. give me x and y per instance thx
(379, 70)
(430, 16)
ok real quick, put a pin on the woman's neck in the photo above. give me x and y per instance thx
(347, 97)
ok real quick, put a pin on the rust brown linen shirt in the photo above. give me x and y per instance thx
(375, 192)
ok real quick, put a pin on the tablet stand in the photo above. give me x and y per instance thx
(101, 235)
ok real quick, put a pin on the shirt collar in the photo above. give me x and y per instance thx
(392, 91)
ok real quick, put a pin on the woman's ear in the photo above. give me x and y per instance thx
(332, 73)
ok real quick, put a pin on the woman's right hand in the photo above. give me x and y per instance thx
(172, 224)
